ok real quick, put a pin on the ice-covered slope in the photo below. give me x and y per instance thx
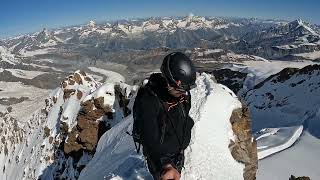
(285, 111)
(258, 71)
(273, 140)
(288, 98)
(299, 160)
(207, 157)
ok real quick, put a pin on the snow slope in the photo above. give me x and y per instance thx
(310, 55)
(286, 107)
(6, 56)
(25, 74)
(286, 99)
(111, 75)
(260, 70)
(207, 157)
(299, 160)
(22, 110)
(274, 140)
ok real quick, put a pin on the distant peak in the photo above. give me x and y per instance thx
(190, 15)
(298, 22)
(91, 23)
(44, 32)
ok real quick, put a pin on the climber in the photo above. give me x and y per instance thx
(162, 124)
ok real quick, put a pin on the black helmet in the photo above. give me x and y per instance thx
(179, 70)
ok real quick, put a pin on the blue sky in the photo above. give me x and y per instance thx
(24, 16)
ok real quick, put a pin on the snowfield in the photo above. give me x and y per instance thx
(5, 55)
(24, 73)
(111, 75)
(277, 139)
(260, 70)
(26, 108)
(207, 157)
(311, 55)
(299, 160)
(27, 53)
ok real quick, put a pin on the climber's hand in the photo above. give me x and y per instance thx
(170, 173)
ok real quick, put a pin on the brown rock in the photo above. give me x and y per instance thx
(54, 99)
(299, 178)
(85, 123)
(64, 127)
(87, 79)
(236, 115)
(107, 109)
(87, 106)
(64, 84)
(77, 78)
(47, 102)
(244, 149)
(67, 93)
(9, 109)
(89, 137)
(71, 82)
(99, 102)
(72, 145)
(46, 132)
(239, 152)
(95, 114)
(82, 73)
(44, 111)
(50, 139)
(79, 94)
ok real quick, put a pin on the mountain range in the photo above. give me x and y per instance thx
(66, 97)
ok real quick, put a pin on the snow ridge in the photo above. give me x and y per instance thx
(208, 155)
(212, 105)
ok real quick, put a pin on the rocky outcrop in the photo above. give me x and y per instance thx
(287, 73)
(85, 135)
(244, 148)
(299, 178)
(232, 79)
(86, 110)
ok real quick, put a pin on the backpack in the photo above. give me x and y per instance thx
(137, 123)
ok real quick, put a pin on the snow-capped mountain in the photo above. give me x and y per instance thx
(83, 120)
(265, 38)
(40, 40)
(291, 93)
(285, 112)
(173, 32)
(80, 132)
(6, 57)
(284, 40)
(283, 100)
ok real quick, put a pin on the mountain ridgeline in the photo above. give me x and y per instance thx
(266, 38)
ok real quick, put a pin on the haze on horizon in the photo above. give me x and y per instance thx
(20, 17)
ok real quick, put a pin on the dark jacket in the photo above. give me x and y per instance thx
(149, 108)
